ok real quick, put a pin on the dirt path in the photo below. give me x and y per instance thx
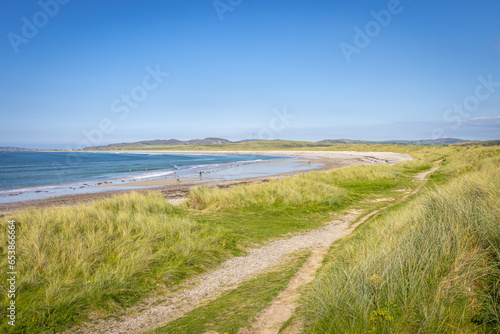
(157, 312)
(423, 175)
(270, 320)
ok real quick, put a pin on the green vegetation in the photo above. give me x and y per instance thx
(100, 258)
(224, 144)
(430, 266)
(258, 212)
(236, 309)
(483, 143)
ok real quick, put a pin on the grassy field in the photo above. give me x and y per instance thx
(100, 258)
(103, 257)
(431, 266)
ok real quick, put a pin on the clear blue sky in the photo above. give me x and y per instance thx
(82, 75)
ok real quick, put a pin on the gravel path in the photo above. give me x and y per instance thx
(271, 319)
(227, 277)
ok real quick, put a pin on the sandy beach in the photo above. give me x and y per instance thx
(324, 160)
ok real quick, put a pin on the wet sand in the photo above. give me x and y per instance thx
(159, 182)
(325, 160)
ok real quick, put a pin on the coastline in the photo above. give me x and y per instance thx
(326, 160)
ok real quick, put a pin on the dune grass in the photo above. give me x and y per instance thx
(291, 192)
(103, 257)
(257, 212)
(429, 267)
(329, 190)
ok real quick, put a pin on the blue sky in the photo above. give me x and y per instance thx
(76, 73)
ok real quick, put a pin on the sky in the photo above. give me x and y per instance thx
(80, 73)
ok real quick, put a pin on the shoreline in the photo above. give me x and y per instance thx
(328, 160)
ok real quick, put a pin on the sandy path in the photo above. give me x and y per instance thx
(228, 276)
(270, 320)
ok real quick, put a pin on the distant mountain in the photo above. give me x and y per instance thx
(248, 140)
(440, 141)
(160, 142)
(16, 149)
(213, 141)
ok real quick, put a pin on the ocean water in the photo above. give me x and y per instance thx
(34, 175)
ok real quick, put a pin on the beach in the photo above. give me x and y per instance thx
(314, 161)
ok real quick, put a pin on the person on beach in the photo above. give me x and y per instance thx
(201, 175)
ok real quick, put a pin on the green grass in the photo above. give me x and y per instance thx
(102, 257)
(410, 270)
(257, 212)
(237, 309)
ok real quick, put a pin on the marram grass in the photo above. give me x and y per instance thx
(430, 267)
(313, 189)
(102, 257)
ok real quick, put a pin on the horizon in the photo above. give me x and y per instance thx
(246, 140)
(91, 74)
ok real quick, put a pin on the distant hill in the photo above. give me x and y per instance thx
(151, 144)
(214, 141)
(248, 140)
(440, 141)
(160, 142)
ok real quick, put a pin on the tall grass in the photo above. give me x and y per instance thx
(430, 267)
(327, 189)
(102, 257)
(290, 192)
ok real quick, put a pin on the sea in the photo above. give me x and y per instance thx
(37, 175)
